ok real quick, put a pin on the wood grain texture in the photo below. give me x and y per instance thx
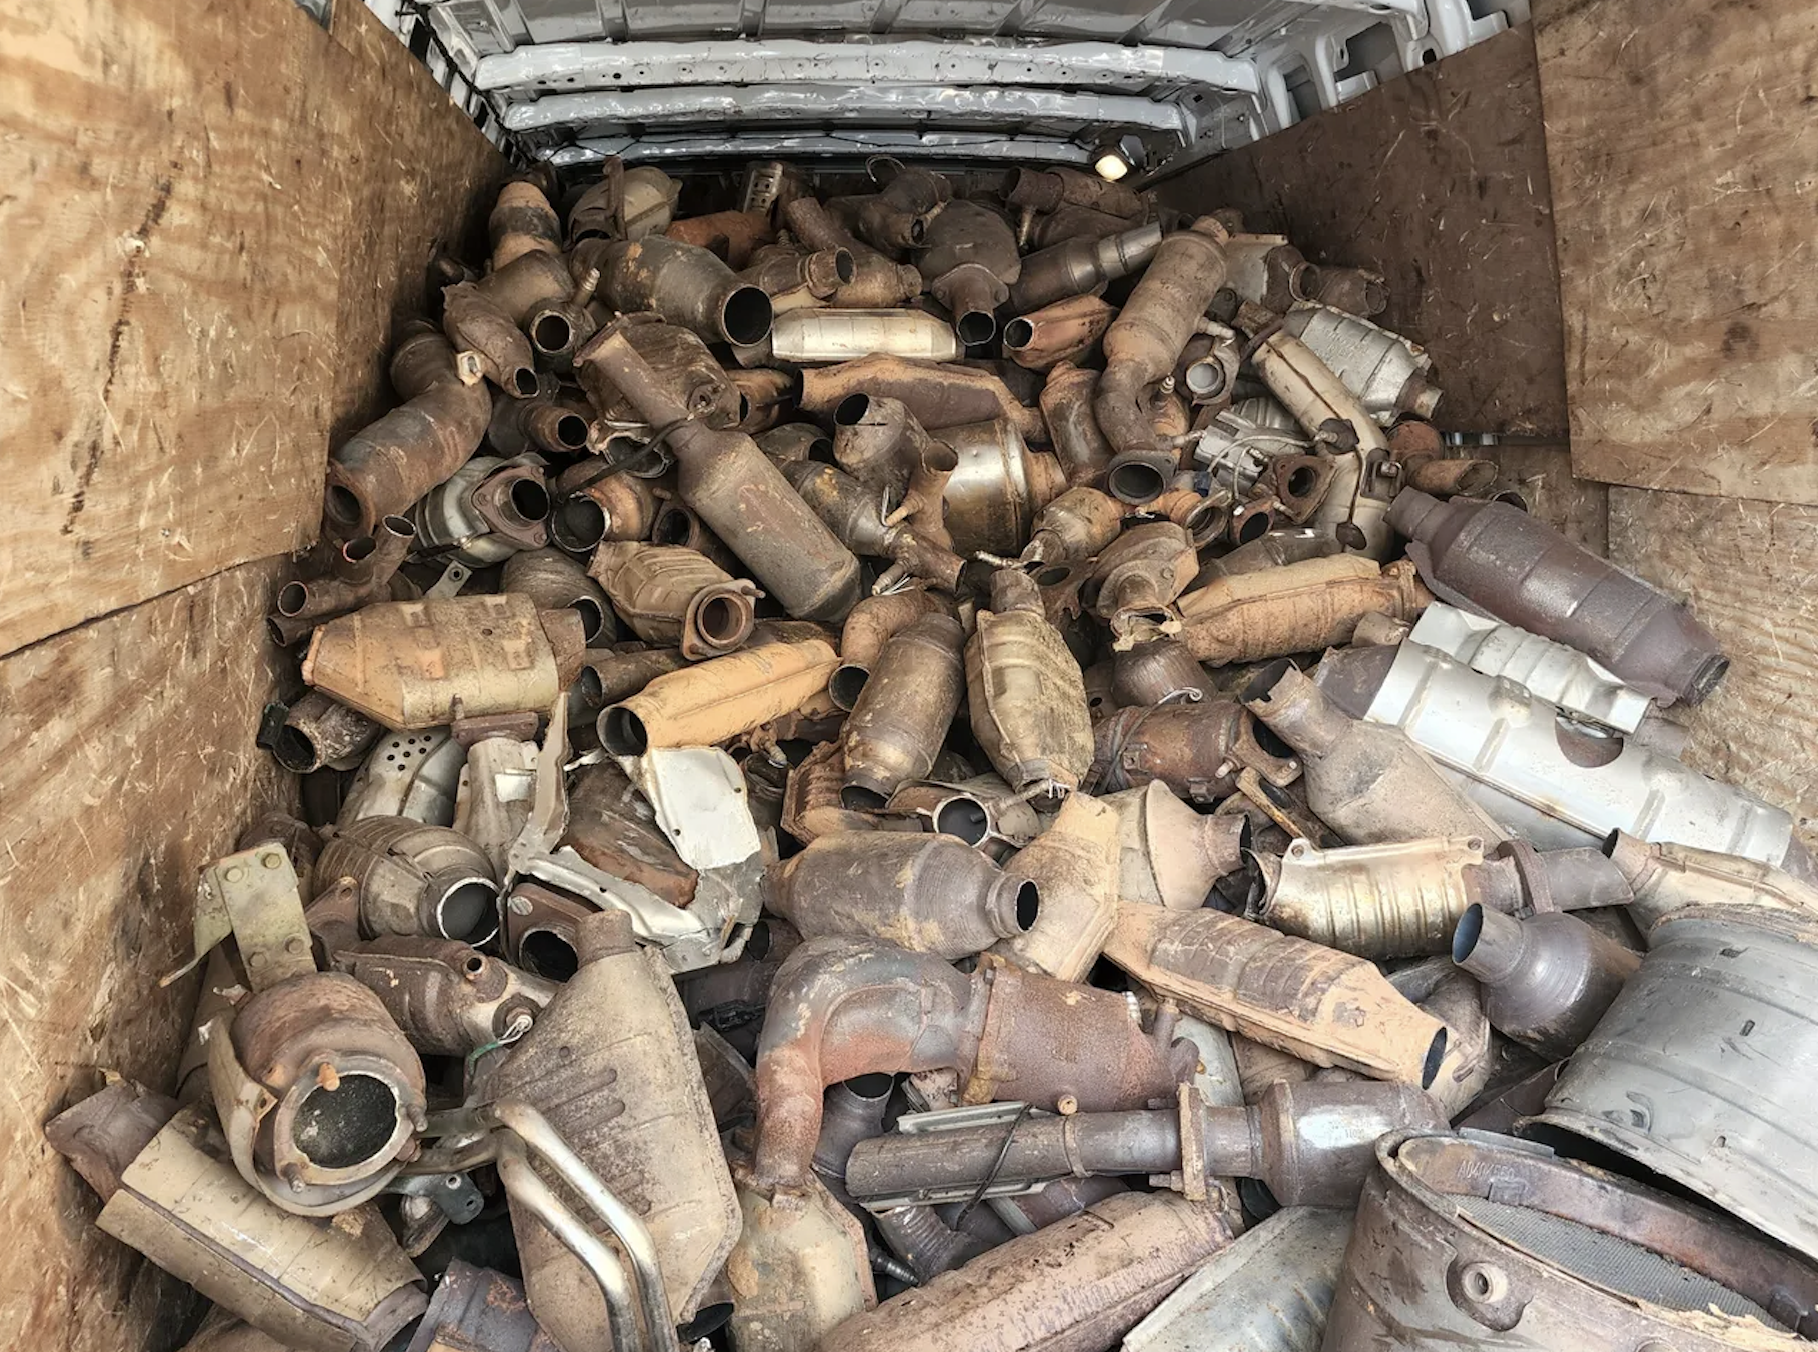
(212, 211)
(1542, 473)
(1681, 143)
(130, 763)
(1750, 571)
(1437, 180)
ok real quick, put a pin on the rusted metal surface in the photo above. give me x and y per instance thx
(1664, 877)
(939, 396)
(719, 699)
(479, 1310)
(1142, 346)
(685, 284)
(612, 827)
(967, 256)
(1076, 864)
(1136, 578)
(1312, 1144)
(1066, 405)
(1377, 901)
(1495, 1244)
(1367, 782)
(1190, 747)
(793, 279)
(1297, 608)
(411, 878)
(602, 1064)
(676, 597)
(1160, 672)
(1063, 331)
(1026, 698)
(412, 664)
(1309, 1001)
(1489, 556)
(386, 466)
(868, 628)
(555, 582)
(447, 997)
(320, 731)
(926, 893)
(1168, 854)
(589, 508)
(739, 493)
(797, 1271)
(345, 1287)
(902, 715)
(1082, 265)
(1701, 1114)
(732, 235)
(1072, 1287)
(997, 486)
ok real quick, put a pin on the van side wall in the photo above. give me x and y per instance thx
(213, 212)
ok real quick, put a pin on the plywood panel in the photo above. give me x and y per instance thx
(1750, 571)
(211, 211)
(129, 764)
(1437, 180)
(1682, 145)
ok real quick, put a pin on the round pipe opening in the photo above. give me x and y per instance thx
(720, 621)
(529, 499)
(1205, 379)
(578, 524)
(1053, 576)
(1305, 281)
(1263, 683)
(401, 526)
(1270, 742)
(872, 1088)
(292, 597)
(1135, 482)
(356, 551)
(623, 732)
(571, 432)
(593, 617)
(1429, 1070)
(851, 410)
(844, 266)
(1302, 482)
(348, 1125)
(552, 333)
(466, 911)
(1028, 905)
(1252, 526)
(523, 382)
(590, 688)
(547, 954)
(858, 798)
(342, 505)
(1469, 931)
(975, 327)
(845, 685)
(1708, 677)
(963, 817)
(940, 458)
(1018, 334)
(672, 527)
(918, 230)
(295, 750)
(745, 318)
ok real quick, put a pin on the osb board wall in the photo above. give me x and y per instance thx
(129, 765)
(1681, 143)
(1750, 571)
(212, 211)
(1439, 181)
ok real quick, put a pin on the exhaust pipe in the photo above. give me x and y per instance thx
(1052, 189)
(926, 893)
(1075, 864)
(521, 222)
(1078, 266)
(843, 1008)
(793, 280)
(853, 513)
(1066, 403)
(1075, 526)
(386, 466)
(414, 879)
(684, 365)
(1312, 1002)
(1141, 348)
(1190, 747)
(487, 341)
(1168, 854)
(364, 568)
(557, 582)
(1296, 608)
(968, 256)
(901, 717)
(871, 625)
(1026, 697)
(676, 597)
(741, 495)
(1526, 573)
(1664, 877)
(684, 284)
(1313, 1144)
(1062, 332)
(1367, 782)
(939, 396)
(319, 731)
(731, 235)
(718, 700)
(1546, 980)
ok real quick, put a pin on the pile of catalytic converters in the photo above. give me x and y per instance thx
(908, 771)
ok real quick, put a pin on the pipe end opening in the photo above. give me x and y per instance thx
(529, 499)
(672, 527)
(1436, 1055)
(347, 1126)
(975, 327)
(552, 333)
(965, 818)
(295, 750)
(746, 317)
(858, 798)
(578, 524)
(1470, 930)
(623, 732)
(1261, 688)
(466, 911)
(722, 621)
(547, 954)
(522, 381)
(844, 266)
(292, 597)
(1135, 482)
(845, 685)
(571, 432)
(1028, 905)
(343, 506)
(593, 618)
(851, 410)
(1251, 526)
(1018, 334)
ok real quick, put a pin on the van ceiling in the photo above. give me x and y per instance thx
(1060, 81)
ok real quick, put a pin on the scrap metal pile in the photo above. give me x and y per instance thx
(854, 841)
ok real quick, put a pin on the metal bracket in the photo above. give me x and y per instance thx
(453, 578)
(253, 896)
